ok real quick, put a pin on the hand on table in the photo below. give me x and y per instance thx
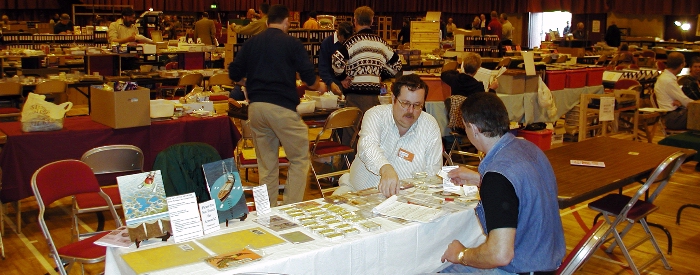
(452, 252)
(336, 89)
(389, 182)
(463, 175)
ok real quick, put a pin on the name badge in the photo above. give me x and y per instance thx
(406, 155)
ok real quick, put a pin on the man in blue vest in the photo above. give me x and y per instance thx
(518, 209)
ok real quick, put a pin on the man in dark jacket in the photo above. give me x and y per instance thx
(689, 83)
(613, 35)
(464, 83)
(328, 48)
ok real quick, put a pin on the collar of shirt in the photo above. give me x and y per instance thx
(335, 37)
(666, 71)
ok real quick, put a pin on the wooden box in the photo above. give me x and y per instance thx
(694, 116)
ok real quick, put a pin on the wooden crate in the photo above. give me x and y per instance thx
(425, 36)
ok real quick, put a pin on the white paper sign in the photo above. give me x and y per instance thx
(210, 217)
(607, 109)
(595, 26)
(184, 217)
(262, 200)
(529, 60)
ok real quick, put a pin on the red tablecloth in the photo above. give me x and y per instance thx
(24, 153)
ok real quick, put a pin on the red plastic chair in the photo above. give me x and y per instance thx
(60, 179)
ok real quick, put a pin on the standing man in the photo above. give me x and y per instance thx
(483, 29)
(362, 61)
(613, 36)
(124, 30)
(270, 61)
(518, 209)
(690, 83)
(395, 142)
(495, 27)
(567, 29)
(328, 47)
(64, 25)
(451, 27)
(205, 30)
(669, 95)
(405, 33)
(311, 24)
(507, 29)
(255, 27)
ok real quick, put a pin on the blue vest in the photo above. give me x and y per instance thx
(539, 237)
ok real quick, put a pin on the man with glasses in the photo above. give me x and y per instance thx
(124, 30)
(395, 142)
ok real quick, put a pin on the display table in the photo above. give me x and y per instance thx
(523, 108)
(24, 153)
(394, 249)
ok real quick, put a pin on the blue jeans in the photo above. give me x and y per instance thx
(458, 268)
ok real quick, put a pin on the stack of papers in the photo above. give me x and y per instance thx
(393, 208)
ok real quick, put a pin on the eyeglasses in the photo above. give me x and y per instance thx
(406, 105)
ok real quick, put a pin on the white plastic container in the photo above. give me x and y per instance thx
(326, 101)
(162, 108)
(306, 107)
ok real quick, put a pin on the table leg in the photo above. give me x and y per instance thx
(18, 206)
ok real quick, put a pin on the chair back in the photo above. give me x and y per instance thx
(51, 87)
(505, 62)
(452, 65)
(662, 174)
(547, 59)
(584, 249)
(219, 79)
(114, 159)
(194, 79)
(562, 58)
(171, 66)
(10, 89)
(181, 167)
(348, 117)
(601, 60)
(648, 54)
(246, 133)
(453, 106)
(660, 65)
(626, 83)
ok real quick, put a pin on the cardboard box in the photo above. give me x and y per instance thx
(694, 116)
(121, 109)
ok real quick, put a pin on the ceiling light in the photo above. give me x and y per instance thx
(685, 26)
(678, 23)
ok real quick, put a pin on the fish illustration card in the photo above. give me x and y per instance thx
(143, 197)
(226, 189)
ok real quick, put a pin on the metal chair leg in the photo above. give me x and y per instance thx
(678, 215)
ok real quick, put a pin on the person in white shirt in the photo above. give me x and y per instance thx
(395, 141)
(669, 95)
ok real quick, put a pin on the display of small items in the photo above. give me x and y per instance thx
(330, 221)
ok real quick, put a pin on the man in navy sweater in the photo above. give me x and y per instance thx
(270, 61)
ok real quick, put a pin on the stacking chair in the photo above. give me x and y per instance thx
(460, 142)
(51, 88)
(680, 210)
(219, 79)
(547, 59)
(10, 92)
(347, 118)
(184, 84)
(60, 179)
(584, 249)
(561, 59)
(617, 208)
(246, 139)
(110, 159)
(505, 62)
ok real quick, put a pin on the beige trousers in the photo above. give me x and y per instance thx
(272, 125)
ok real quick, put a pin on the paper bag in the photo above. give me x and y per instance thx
(39, 115)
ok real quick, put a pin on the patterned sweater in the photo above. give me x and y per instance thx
(367, 58)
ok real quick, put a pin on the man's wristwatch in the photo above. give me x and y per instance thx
(460, 256)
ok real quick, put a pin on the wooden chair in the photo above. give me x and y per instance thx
(505, 62)
(10, 92)
(547, 59)
(51, 88)
(246, 143)
(619, 208)
(110, 159)
(601, 60)
(184, 84)
(60, 179)
(588, 116)
(348, 119)
(562, 59)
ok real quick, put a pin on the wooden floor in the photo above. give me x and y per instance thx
(27, 252)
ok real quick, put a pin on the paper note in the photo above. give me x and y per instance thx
(393, 208)
(262, 200)
(607, 109)
(447, 184)
(184, 217)
(588, 163)
(529, 60)
(210, 217)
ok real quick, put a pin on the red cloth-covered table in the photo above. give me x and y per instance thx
(24, 153)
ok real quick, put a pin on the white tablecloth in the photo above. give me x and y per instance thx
(522, 108)
(394, 249)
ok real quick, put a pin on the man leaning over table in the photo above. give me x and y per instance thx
(669, 95)
(518, 210)
(255, 27)
(270, 62)
(124, 29)
(395, 141)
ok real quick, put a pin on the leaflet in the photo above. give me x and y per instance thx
(393, 208)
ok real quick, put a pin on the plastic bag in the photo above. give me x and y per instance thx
(39, 115)
(546, 100)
